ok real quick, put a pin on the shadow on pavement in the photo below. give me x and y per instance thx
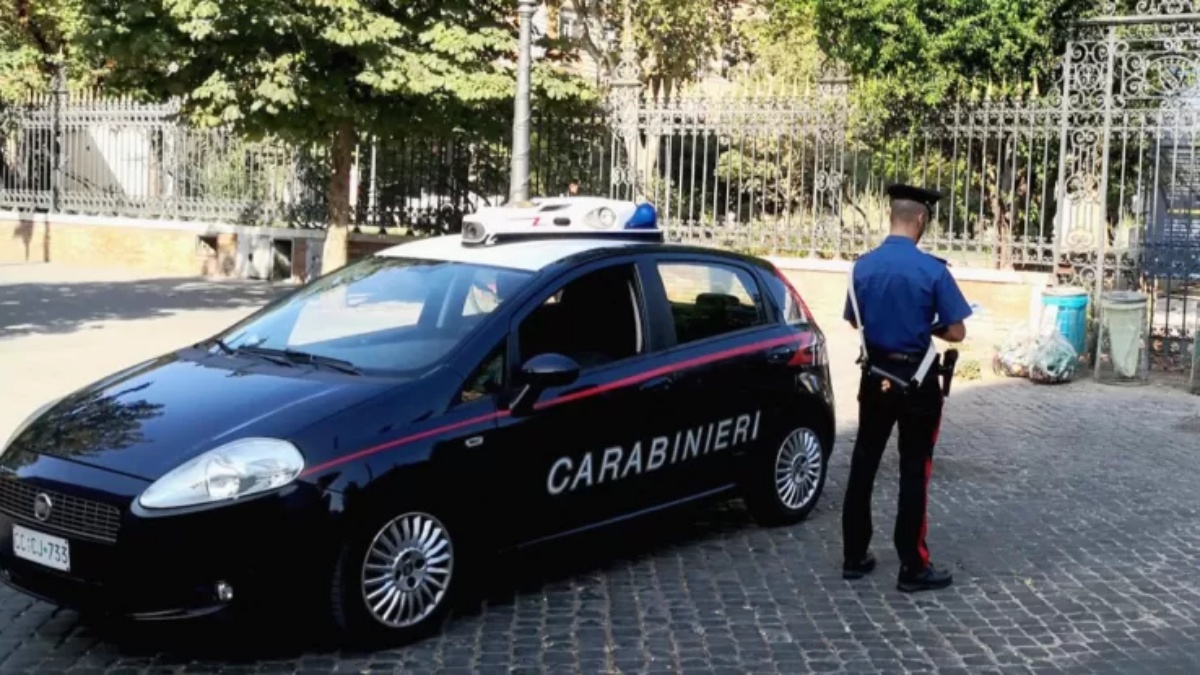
(57, 308)
(265, 635)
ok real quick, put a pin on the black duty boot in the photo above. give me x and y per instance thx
(858, 569)
(928, 579)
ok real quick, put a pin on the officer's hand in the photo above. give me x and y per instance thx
(953, 333)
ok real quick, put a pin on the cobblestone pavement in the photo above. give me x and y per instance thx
(1069, 515)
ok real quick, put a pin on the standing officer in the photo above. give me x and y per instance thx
(899, 298)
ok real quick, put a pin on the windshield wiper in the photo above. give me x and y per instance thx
(272, 355)
(318, 360)
(221, 344)
(292, 357)
(289, 357)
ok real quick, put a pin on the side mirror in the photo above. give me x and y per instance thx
(540, 373)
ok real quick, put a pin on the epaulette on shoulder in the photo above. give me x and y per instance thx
(941, 260)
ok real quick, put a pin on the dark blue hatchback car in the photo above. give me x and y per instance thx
(376, 432)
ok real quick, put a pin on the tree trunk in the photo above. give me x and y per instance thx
(337, 236)
(1003, 227)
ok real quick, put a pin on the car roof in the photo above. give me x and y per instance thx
(531, 256)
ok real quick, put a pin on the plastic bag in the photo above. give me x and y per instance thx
(1053, 360)
(1011, 357)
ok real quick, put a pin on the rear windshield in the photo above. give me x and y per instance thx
(383, 314)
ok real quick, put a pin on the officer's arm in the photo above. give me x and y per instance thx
(953, 333)
(952, 309)
(848, 313)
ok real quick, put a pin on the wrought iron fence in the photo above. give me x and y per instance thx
(791, 176)
(1095, 181)
(785, 174)
(122, 158)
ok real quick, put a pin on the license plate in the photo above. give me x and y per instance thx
(43, 549)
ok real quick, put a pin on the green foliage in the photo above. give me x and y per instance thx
(35, 35)
(772, 169)
(301, 70)
(920, 53)
(675, 39)
(678, 38)
(780, 45)
(779, 54)
(233, 170)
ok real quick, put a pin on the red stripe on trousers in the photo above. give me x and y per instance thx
(922, 550)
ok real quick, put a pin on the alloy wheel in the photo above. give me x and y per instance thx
(407, 570)
(798, 468)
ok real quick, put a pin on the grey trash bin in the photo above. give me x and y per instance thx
(1121, 343)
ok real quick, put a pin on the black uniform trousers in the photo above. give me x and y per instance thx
(918, 415)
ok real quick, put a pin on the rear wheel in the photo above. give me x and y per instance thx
(395, 581)
(783, 486)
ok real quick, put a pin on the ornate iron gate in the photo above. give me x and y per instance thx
(1129, 217)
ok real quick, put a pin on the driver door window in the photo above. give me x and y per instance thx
(488, 378)
(595, 319)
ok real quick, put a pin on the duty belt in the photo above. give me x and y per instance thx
(893, 357)
(867, 356)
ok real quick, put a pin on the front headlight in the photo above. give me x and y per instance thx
(235, 470)
(25, 425)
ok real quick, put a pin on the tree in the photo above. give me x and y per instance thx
(776, 43)
(777, 57)
(912, 58)
(324, 71)
(676, 40)
(915, 54)
(36, 37)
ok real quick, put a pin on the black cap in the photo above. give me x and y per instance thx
(916, 194)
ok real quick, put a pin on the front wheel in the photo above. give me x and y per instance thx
(784, 486)
(394, 581)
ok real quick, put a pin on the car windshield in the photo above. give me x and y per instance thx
(387, 314)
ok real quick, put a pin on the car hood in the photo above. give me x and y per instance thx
(147, 420)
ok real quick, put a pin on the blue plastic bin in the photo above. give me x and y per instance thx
(1069, 304)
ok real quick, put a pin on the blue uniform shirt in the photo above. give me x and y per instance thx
(902, 291)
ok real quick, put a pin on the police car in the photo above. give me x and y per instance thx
(370, 437)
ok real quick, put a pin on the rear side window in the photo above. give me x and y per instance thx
(709, 300)
(795, 313)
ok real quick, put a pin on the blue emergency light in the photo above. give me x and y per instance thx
(645, 217)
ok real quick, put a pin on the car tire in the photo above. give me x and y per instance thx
(396, 579)
(785, 481)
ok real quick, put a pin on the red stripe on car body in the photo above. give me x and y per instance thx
(576, 396)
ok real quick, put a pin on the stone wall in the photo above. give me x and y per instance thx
(1003, 299)
(167, 248)
(172, 248)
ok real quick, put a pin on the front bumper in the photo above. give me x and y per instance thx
(159, 567)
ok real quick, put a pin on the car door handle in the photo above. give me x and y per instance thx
(662, 383)
(781, 355)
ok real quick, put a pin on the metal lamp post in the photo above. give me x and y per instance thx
(519, 180)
